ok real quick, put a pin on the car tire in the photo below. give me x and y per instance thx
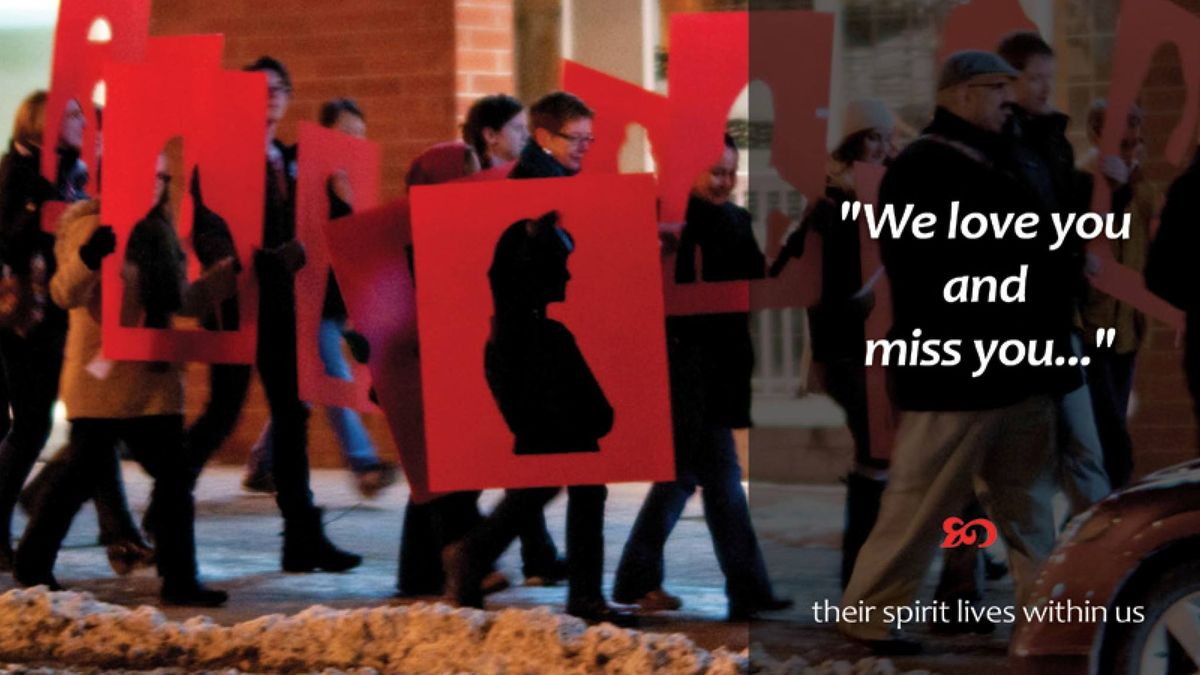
(1152, 646)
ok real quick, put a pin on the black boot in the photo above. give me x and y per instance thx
(306, 549)
(862, 509)
(192, 593)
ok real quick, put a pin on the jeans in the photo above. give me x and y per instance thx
(357, 448)
(712, 465)
(155, 442)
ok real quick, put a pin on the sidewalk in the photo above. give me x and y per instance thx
(238, 540)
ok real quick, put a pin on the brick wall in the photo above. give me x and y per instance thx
(412, 65)
(483, 50)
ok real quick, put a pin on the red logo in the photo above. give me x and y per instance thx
(958, 534)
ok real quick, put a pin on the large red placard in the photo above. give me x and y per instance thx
(613, 308)
(219, 116)
(322, 152)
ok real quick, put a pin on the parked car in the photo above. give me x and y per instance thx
(1138, 548)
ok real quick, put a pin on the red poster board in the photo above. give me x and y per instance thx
(881, 413)
(981, 24)
(369, 254)
(617, 104)
(712, 61)
(613, 308)
(78, 66)
(1142, 31)
(219, 116)
(321, 153)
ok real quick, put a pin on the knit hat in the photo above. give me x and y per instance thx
(962, 66)
(867, 113)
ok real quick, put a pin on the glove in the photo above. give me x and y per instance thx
(100, 245)
(360, 349)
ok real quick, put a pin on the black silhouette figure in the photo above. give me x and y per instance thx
(543, 386)
(212, 241)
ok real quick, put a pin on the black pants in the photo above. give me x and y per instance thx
(1110, 380)
(156, 443)
(585, 534)
(31, 368)
(1191, 362)
(228, 385)
(428, 528)
(289, 416)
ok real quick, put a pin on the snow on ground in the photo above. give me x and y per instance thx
(40, 627)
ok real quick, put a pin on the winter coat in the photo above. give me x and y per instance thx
(1171, 269)
(91, 386)
(535, 162)
(23, 243)
(718, 345)
(954, 161)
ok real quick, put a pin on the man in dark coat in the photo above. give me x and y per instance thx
(962, 428)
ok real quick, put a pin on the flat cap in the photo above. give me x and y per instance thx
(962, 66)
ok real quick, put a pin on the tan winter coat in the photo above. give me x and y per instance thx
(91, 386)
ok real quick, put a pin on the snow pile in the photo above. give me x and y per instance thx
(39, 626)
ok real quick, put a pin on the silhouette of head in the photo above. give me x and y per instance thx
(529, 267)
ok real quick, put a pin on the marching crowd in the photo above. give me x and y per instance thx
(1003, 443)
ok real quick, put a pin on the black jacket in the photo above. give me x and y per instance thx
(956, 161)
(535, 162)
(277, 293)
(1047, 160)
(1170, 268)
(713, 352)
(23, 190)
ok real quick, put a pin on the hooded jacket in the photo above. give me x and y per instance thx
(541, 382)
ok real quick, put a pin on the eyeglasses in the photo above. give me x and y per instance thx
(281, 90)
(576, 141)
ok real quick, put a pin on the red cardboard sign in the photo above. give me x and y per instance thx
(617, 105)
(79, 64)
(369, 254)
(1142, 30)
(981, 24)
(219, 116)
(321, 153)
(612, 307)
(882, 418)
(187, 51)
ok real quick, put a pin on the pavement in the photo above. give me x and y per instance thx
(238, 536)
